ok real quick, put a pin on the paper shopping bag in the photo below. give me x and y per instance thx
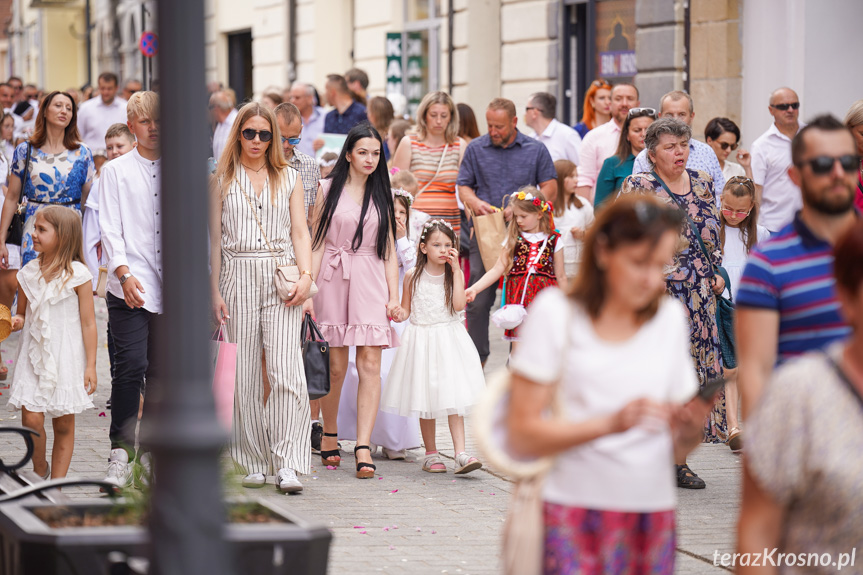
(490, 231)
(224, 356)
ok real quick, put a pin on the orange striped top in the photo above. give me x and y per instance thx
(438, 199)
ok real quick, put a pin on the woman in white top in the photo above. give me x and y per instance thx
(8, 281)
(723, 136)
(610, 495)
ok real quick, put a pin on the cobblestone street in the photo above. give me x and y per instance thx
(409, 521)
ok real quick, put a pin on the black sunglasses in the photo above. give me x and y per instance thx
(784, 107)
(250, 134)
(726, 145)
(823, 164)
(641, 112)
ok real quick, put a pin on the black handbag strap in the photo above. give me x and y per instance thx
(716, 269)
(26, 173)
(843, 377)
(310, 329)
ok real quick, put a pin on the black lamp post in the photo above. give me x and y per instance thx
(187, 513)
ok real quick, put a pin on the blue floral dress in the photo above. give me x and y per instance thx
(53, 179)
(688, 280)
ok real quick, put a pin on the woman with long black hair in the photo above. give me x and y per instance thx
(355, 266)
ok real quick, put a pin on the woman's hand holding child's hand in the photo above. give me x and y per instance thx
(17, 322)
(470, 294)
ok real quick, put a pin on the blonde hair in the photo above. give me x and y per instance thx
(119, 130)
(143, 105)
(70, 241)
(405, 180)
(545, 223)
(229, 162)
(854, 117)
(439, 97)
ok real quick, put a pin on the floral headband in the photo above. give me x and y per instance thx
(405, 194)
(430, 224)
(327, 164)
(538, 202)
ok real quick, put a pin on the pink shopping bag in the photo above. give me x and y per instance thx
(224, 356)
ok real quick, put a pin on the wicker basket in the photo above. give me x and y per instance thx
(5, 322)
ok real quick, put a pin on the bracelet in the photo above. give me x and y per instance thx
(306, 272)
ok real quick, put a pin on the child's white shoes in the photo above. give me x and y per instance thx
(464, 463)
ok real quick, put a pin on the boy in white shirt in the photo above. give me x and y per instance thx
(129, 207)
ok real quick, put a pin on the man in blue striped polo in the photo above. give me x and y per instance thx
(787, 303)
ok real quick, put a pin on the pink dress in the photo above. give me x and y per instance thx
(351, 303)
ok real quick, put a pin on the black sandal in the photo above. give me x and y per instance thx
(325, 455)
(686, 478)
(364, 470)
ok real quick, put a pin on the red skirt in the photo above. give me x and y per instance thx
(514, 289)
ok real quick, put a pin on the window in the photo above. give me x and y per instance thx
(420, 60)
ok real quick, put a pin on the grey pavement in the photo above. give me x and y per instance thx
(409, 521)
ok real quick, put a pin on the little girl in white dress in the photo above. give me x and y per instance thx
(437, 371)
(55, 374)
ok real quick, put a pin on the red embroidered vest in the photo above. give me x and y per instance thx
(525, 252)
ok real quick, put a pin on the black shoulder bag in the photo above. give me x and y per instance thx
(16, 229)
(316, 359)
(724, 306)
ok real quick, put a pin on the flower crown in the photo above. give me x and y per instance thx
(540, 203)
(403, 193)
(430, 224)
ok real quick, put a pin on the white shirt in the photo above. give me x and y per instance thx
(732, 170)
(17, 125)
(573, 217)
(95, 117)
(129, 205)
(631, 471)
(312, 129)
(598, 145)
(220, 135)
(562, 141)
(734, 256)
(92, 232)
(780, 198)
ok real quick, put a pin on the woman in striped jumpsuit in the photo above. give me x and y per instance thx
(257, 221)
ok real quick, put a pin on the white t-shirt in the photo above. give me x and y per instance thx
(631, 471)
(732, 170)
(781, 198)
(573, 218)
(734, 255)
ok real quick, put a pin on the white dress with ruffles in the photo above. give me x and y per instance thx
(49, 372)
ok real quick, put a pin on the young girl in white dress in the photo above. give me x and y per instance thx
(394, 433)
(436, 371)
(55, 374)
(739, 234)
(572, 216)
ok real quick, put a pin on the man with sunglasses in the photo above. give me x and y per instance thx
(678, 105)
(778, 196)
(290, 123)
(786, 304)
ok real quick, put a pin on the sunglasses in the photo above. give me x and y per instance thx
(600, 84)
(784, 107)
(264, 135)
(726, 145)
(823, 164)
(291, 141)
(735, 214)
(641, 112)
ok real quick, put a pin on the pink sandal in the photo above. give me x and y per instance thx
(433, 463)
(465, 463)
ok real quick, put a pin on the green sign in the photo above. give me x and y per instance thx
(405, 67)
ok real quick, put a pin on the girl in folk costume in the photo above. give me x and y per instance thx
(436, 371)
(532, 256)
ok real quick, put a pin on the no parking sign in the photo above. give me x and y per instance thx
(148, 44)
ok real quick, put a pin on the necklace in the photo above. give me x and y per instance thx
(264, 165)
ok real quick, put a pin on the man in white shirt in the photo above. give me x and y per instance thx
(779, 197)
(129, 208)
(303, 97)
(678, 105)
(562, 141)
(7, 101)
(223, 114)
(601, 143)
(96, 115)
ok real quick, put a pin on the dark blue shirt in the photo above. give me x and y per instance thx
(336, 123)
(497, 172)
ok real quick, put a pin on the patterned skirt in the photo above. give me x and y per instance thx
(704, 347)
(593, 542)
(514, 289)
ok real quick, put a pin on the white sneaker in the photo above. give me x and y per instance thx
(395, 455)
(119, 470)
(254, 480)
(287, 481)
(142, 473)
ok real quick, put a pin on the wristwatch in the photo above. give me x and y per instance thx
(124, 277)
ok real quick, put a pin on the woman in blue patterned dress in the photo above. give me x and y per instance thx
(61, 170)
(690, 277)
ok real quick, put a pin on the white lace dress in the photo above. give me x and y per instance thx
(49, 372)
(436, 371)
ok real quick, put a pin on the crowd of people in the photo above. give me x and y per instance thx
(624, 236)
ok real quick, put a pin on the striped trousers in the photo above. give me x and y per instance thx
(267, 437)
